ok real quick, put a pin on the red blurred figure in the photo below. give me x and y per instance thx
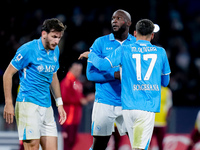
(73, 100)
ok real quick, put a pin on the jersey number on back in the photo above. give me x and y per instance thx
(153, 58)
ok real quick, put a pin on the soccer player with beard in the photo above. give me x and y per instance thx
(145, 69)
(37, 63)
(107, 106)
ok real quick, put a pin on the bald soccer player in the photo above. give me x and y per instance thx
(107, 106)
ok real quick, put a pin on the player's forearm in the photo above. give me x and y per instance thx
(165, 80)
(7, 85)
(93, 74)
(100, 63)
(55, 87)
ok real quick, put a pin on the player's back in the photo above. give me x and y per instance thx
(143, 65)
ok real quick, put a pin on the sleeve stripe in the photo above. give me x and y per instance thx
(109, 61)
(14, 66)
(166, 73)
(89, 61)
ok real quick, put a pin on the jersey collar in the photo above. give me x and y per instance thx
(112, 38)
(143, 42)
(40, 45)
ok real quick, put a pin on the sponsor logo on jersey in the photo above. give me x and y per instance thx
(46, 68)
(39, 58)
(109, 48)
(49, 68)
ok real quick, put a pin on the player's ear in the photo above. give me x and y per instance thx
(129, 23)
(135, 33)
(152, 36)
(44, 34)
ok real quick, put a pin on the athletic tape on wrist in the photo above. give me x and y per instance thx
(59, 101)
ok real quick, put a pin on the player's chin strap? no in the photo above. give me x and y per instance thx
(59, 101)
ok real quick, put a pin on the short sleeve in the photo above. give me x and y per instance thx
(21, 58)
(96, 47)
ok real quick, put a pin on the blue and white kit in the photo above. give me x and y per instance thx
(33, 111)
(36, 67)
(145, 68)
(107, 107)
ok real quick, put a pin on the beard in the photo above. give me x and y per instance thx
(119, 32)
(48, 45)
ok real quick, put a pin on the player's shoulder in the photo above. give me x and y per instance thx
(104, 38)
(161, 52)
(30, 44)
(57, 50)
(129, 46)
(126, 48)
(160, 49)
(132, 38)
(28, 47)
(100, 42)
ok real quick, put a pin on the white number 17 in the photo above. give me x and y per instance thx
(138, 64)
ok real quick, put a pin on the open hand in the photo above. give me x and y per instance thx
(62, 113)
(85, 54)
(8, 113)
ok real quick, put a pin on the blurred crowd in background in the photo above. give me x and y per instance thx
(179, 34)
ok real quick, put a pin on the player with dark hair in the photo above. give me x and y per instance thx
(37, 63)
(107, 106)
(145, 68)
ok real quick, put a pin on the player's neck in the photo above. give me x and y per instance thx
(44, 43)
(121, 37)
(143, 38)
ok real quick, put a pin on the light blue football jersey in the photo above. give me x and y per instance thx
(35, 66)
(108, 89)
(142, 67)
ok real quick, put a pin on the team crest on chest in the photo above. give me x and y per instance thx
(40, 68)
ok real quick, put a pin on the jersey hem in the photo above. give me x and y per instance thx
(154, 111)
(99, 101)
(47, 106)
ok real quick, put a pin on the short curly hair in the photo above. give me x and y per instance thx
(144, 27)
(53, 24)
